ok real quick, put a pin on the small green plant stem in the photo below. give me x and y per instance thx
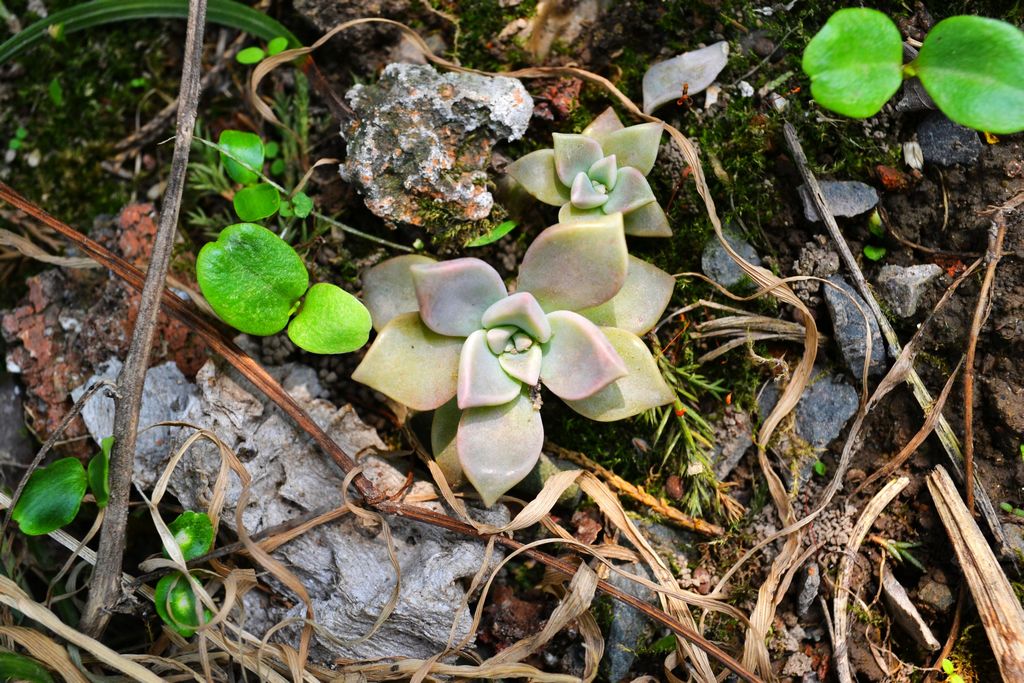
(104, 588)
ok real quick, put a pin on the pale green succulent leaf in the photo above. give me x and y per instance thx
(388, 290)
(630, 193)
(647, 221)
(576, 265)
(536, 173)
(579, 360)
(482, 380)
(411, 364)
(499, 445)
(519, 310)
(525, 366)
(499, 337)
(584, 195)
(604, 171)
(443, 430)
(453, 295)
(574, 154)
(568, 213)
(642, 389)
(605, 123)
(634, 147)
(640, 303)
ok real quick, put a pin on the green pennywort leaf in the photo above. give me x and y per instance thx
(973, 68)
(330, 321)
(99, 473)
(51, 497)
(257, 202)
(250, 55)
(494, 235)
(874, 253)
(15, 667)
(277, 45)
(175, 602)
(251, 278)
(271, 149)
(855, 62)
(247, 148)
(302, 204)
(193, 532)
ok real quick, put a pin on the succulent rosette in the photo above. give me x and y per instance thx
(451, 338)
(599, 172)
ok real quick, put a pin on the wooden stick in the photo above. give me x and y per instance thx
(998, 608)
(104, 587)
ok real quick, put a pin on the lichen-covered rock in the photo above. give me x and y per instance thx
(422, 140)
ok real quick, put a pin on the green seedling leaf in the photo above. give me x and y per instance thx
(1005, 507)
(56, 32)
(21, 133)
(14, 144)
(271, 149)
(874, 253)
(140, 82)
(330, 321)
(15, 667)
(176, 604)
(277, 45)
(1018, 512)
(51, 497)
(246, 148)
(820, 468)
(250, 55)
(99, 473)
(1022, 451)
(955, 678)
(56, 93)
(302, 204)
(286, 209)
(972, 67)
(855, 62)
(875, 226)
(947, 666)
(251, 278)
(493, 236)
(277, 167)
(193, 532)
(257, 202)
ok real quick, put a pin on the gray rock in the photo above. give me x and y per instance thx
(16, 445)
(849, 327)
(936, 596)
(344, 565)
(424, 139)
(733, 437)
(798, 664)
(902, 286)
(821, 413)
(946, 143)
(844, 198)
(719, 266)
(810, 677)
(906, 614)
(810, 585)
(629, 628)
(696, 69)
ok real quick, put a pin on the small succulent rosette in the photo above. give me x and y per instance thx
(599, 172)
(451, 338)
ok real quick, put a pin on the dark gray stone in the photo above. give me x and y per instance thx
(946, 143)
(629, 628)
(719, 266)
(810, 585)
(844, 198)
(936, 596)
(849, 328)
(902, 286)
(733, 437)
(821, 413)
(425, 138)
(16, 445)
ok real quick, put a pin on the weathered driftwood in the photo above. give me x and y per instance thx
(1001, 613)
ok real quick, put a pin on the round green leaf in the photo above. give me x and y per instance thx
(51, 497)
(330, 321)
(257, 202)
(974, 70)
(250, 55)
(277, 45)
(271, 149)
(193, 532)
(251, 278)
(855, 62)
(15, 667)
(874, 253)
(176, 604)
(302, 204)
(247, 149)
(99, 473)
(277, 168)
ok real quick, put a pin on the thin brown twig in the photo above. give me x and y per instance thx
(994, 253)
(104, 588)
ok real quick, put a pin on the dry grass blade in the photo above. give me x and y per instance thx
(29, 249)
(998, 608)
(860, 531)
(45, 649)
